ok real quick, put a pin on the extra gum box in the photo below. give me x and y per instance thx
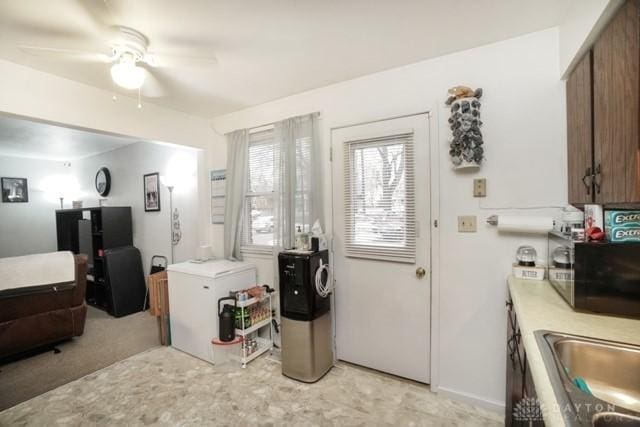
(622, 226)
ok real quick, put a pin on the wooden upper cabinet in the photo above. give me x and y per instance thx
(616, 108)
(580, 132)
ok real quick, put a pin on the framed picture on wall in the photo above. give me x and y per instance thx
(152, 192)
(14, 190)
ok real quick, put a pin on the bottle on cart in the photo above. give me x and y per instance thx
(243, 318)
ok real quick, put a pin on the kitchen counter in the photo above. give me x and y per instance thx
(538, 306)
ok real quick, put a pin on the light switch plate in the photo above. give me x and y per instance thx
(467, 224)
(480, 187)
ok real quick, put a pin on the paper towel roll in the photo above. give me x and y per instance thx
(525, 224)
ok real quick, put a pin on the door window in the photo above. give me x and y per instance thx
(379, 198)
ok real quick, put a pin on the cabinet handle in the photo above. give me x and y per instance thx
(588, 176)
(512, 346)
(597, 178)
(512, 351)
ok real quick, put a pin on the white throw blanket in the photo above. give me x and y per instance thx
(36, 270)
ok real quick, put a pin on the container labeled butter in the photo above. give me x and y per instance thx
(622, 226)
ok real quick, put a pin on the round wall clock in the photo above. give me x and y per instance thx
(103, 181)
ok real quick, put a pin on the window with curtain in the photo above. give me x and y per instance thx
(262, 180)
(259, 206)
(281, 192)
(379, 198)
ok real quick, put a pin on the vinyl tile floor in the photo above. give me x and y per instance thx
(166, 387)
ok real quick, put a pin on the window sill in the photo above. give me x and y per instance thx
(256, 251)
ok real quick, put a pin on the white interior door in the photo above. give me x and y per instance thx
(381, 242)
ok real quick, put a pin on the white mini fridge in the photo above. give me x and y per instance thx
(194, 290)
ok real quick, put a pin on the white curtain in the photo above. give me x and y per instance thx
(236, 189)
(297, 181)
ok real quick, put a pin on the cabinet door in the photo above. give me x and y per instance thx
(580, 132)
(67, 230)
(193, 314)
(535, 410)
(515, 378)
(616, 56)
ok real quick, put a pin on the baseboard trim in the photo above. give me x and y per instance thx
(491, 405)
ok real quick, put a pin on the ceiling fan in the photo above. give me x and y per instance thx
(126, 49)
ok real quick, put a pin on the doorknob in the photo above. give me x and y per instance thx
(420, 272)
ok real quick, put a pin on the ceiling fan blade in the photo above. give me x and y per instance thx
(49, 32)
(179, 61)
(78, 55)
(101, 18)
(153, 87)
(99, 11)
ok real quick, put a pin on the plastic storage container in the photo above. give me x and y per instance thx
(227, 353)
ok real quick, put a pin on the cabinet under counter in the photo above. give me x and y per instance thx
(537, 306)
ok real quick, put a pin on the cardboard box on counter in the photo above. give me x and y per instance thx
(593, 216)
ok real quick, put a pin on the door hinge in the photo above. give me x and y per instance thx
(435, 223)
(331, 154)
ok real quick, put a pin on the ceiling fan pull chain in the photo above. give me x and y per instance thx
(139, 98)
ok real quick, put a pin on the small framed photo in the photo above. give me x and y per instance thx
(15, 190)
(152, 192)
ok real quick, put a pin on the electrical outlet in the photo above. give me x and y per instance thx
(467, 224)
(480, 187)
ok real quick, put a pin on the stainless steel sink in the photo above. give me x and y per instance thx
(610, 370)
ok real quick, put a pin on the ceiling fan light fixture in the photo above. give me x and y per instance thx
(127, 74)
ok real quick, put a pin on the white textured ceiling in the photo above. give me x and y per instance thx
(25, 138)
(266, 49)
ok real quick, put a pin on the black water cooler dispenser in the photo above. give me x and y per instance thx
(307, 350)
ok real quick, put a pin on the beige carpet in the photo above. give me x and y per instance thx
(106, 340)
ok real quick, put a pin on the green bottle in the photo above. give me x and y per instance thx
(239, 314)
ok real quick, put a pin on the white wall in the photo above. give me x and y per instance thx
(28, 228)
(583, 21)
(35, 94)
(127, 166)
(523, 112)
(32, 93)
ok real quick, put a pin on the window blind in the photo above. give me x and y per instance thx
(380, 218)
(258, 218)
